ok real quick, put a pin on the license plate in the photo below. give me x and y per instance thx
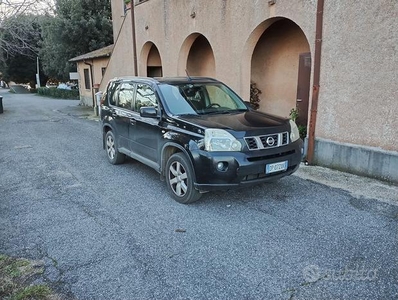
(276, 167)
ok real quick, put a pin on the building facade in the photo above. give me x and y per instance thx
(272, 44)
(91, 68)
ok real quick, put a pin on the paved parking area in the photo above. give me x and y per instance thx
(112, 232)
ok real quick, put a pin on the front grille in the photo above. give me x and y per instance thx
(272, 156)
(251, 143)
(267, 141)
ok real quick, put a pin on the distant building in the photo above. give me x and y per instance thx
(272, 43)
(91, 68)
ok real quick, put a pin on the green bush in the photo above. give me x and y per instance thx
(58, 93)
(303, 131)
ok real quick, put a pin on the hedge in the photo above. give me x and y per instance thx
(58, 93)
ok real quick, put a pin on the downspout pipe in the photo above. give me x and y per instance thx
(91, 81)
(316, 80)
(134, 38)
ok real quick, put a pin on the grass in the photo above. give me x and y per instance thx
(16, 277)
(36, 292)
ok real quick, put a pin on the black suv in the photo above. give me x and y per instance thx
(197, 133)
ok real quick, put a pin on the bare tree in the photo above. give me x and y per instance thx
(10, 8)
(18, 25)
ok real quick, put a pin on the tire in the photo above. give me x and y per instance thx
(114, 156)
(179, 178)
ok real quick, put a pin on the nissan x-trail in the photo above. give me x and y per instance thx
(197, 133)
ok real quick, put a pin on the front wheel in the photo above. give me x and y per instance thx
(180, 179)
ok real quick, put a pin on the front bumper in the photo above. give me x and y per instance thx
(243, 168)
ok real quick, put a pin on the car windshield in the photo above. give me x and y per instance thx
(200, 99)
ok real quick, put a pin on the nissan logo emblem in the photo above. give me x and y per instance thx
(270, 141)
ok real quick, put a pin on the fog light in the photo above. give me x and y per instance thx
(222, 166)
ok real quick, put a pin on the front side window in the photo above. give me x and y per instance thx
(145, 97)
(201, 98)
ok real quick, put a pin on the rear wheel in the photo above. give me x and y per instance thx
(180, 179)
(114, 156)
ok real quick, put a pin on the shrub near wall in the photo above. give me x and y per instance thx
(58, 93)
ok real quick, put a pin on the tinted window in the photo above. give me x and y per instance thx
(126, 95)
(145, 97)
(112, 92)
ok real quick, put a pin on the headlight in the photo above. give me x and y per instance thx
(294, 132)
(221, 140)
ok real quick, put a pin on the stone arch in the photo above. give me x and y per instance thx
(151, 61)
(197, 57)
(273, 54)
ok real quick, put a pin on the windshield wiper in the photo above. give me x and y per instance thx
(189, 114)
(223, 112)
(217, 112)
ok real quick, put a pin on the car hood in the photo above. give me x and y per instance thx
(242, 121)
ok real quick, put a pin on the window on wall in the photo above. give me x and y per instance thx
(87, 79)
(103, 70)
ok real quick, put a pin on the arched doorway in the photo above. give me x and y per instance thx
(198, 56)
(281, 68)
(153, 62)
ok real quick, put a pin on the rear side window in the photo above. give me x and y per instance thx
(112, 94)
(126, 95)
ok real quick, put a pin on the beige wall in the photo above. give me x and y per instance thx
(200, 60)
(229, 26)
(98, 63)
(154, 59)
(358, 95)
(274, 66)
(358, 101)
(121, 61)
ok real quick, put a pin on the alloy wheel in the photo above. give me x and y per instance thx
(110, 147)
(178, 179)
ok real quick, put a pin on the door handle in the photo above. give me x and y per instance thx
(114, 114)
(133, 121)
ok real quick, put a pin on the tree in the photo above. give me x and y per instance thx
(78, 27)
(19, 30)
(20, 33)
(18, 55)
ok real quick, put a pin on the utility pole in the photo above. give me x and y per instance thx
(38, 73)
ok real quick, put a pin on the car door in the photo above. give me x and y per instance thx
(145, 132)
(122, 113)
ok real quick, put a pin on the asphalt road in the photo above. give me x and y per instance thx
(113, 232)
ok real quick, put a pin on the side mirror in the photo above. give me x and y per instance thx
(149, 112)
